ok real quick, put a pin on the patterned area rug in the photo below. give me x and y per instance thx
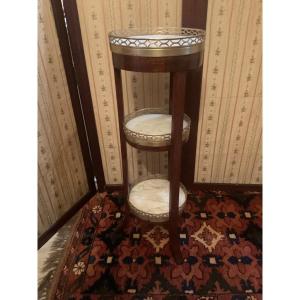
(221, 241)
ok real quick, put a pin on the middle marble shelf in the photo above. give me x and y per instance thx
(151, 128)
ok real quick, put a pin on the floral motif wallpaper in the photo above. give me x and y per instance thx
(229, 148)
(61, 174)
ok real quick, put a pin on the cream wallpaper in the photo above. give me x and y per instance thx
(61, 175)
(229, 145)
(229, 135)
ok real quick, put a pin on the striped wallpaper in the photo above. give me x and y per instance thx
(61, 175)
(229, 145)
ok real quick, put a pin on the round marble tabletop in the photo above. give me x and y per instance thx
(155, 42)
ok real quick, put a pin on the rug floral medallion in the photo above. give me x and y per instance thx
(221, 242)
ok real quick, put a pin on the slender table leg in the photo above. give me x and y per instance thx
(177, 97)
(120, 103)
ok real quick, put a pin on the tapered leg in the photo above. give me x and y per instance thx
(177, 97)
(120, 103)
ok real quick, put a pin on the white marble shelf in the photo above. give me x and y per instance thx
(149, 199)
(152, 129)
(156, 36)
(152, 124)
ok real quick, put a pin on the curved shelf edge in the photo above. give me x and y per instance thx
(150, 148)
(141, 131)
(157, 187)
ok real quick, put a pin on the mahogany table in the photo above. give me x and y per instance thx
(173, 50)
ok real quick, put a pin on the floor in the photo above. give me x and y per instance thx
(43, 255)
(220, 236)
(49, 256)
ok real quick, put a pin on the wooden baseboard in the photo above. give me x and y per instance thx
(63, 219)
(114, 188)
(227, 187)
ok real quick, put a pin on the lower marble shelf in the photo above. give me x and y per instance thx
(149, 199)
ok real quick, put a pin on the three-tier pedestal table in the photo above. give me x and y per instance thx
(177, 51)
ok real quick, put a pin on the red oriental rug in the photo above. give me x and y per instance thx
(221, 241)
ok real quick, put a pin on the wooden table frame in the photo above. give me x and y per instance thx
(178, 66)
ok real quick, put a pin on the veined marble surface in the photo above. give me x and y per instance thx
(152, 124)
(152, 196)
(157, 36)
